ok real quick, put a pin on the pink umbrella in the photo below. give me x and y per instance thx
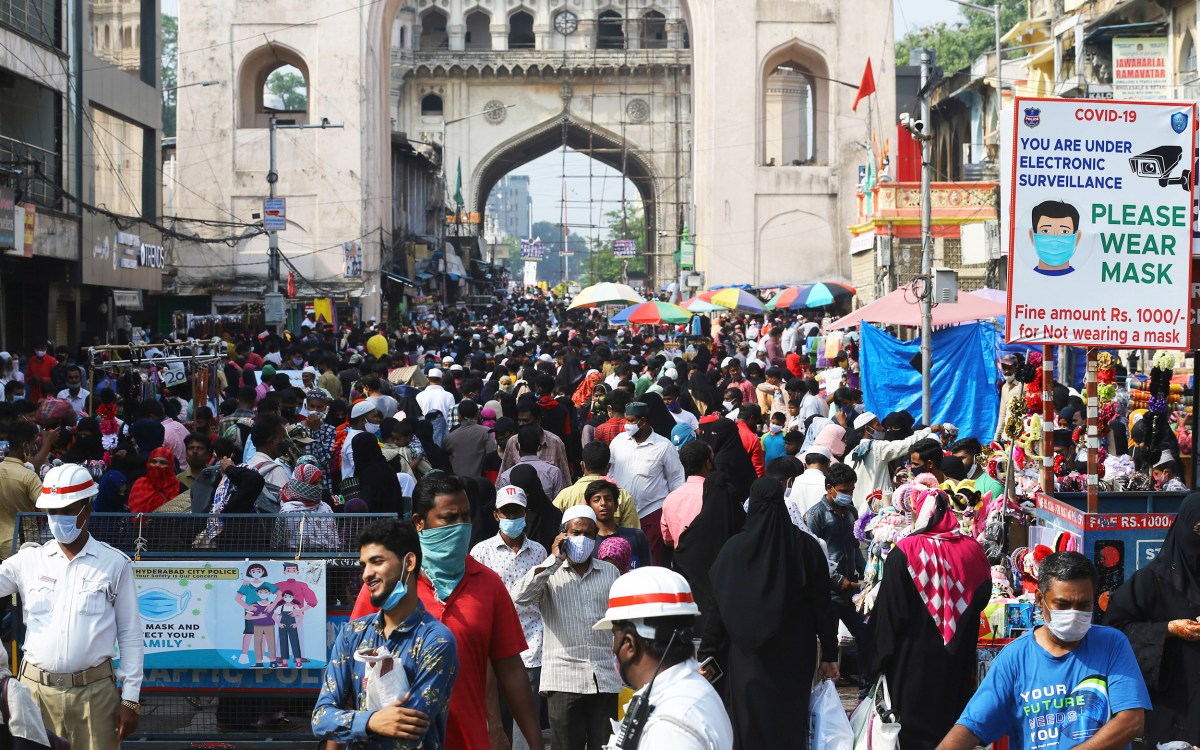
(903, 308)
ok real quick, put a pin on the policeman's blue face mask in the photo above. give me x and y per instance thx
(1054, 249)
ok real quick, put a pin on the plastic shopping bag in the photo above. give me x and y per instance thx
(384, 682)
(873, 722)
(828, 727)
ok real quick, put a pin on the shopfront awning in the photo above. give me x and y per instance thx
(400, 279)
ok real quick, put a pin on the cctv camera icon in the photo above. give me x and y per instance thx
(1158, 163)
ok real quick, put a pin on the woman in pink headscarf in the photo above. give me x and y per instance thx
(936, 583)
(833, 437)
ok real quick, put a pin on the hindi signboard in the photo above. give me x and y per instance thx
(1100, 224)
(240, 615)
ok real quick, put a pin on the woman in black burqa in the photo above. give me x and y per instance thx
(773, 582)
(1157, 610)
(377, 482)
(729, 455)
(542, 519)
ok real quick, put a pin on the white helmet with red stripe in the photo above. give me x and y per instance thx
(648, 592)
(64, 485)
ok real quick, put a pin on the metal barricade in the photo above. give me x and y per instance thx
(234, 704)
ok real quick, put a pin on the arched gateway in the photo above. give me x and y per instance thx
(727, 117)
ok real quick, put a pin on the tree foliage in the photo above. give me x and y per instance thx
(168, 67)
(626, 223)
(288, 84)
(960, 42)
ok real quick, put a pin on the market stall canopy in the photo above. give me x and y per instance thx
(805, 296)
(729, 298)
(605, 293)
(652, 313)
(903, 308)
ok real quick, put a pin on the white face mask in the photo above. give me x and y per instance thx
(65, 529)
(580, 548)
(631, 428)
(728, 405)
(776, 429)
(1069, 625)
(372, 428)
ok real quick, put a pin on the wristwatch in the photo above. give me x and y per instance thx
(133, 706)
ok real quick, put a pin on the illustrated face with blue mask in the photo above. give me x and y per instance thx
(1055, 237)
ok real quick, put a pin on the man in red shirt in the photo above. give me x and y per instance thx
(37, 371)
(472, 601)
(616, 401)
(748, 418)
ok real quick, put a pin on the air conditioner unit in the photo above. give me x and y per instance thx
(883, 251)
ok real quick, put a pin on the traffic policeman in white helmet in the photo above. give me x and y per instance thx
(79, 602)
(651, 614)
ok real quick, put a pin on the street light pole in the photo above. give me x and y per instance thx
(926, 247)
(273, 307)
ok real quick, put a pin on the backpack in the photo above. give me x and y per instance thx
(269, 499)
(204, 489)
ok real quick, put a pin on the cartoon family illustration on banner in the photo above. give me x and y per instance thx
(244, 615)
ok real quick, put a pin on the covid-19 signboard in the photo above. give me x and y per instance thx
(1100, 230)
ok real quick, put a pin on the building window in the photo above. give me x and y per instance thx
(31, 140)
(273, 80)
(433, 31)
(117, 158)
(40, 20)
(794, 97)
(479, 31)
(520, 31)
(609, 32)
(654, 30)
(1189, 77)
(122, 46)
(431, 105)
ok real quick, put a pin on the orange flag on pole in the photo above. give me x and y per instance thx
(866, 88)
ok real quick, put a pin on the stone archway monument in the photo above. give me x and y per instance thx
(684, 97)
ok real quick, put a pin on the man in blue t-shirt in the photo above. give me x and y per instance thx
(1067, 684)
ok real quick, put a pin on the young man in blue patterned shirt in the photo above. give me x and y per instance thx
(390, 554)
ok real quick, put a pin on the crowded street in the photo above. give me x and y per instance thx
(593, 375)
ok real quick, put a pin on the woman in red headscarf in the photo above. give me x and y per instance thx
(159, 486)
(936, 582)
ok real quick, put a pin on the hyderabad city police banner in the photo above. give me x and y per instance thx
(1100, 225)
(236, 615)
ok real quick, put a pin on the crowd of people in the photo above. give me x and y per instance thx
(574, 509)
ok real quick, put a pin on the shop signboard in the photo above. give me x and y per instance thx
(8, 220)
(1100, 226)
(1140, 68)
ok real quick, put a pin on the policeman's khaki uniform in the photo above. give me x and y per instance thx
(75, 612)
(688, 714)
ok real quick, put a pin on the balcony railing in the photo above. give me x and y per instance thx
(40, 175)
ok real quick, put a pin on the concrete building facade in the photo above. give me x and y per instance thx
(674, 94)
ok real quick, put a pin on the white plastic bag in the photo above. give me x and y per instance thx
(828, 727)
(384, 682)
(874, 724)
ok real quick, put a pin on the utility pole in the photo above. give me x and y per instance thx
(926, 246)
(273, 301)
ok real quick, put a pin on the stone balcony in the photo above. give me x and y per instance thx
(537, 62)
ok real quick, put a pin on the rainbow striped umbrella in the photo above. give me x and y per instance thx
(652, 313)
(810, 295)
(732, 298)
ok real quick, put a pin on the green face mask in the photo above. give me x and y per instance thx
(444, 556)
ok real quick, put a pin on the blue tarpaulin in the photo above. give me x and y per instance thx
(963, 372)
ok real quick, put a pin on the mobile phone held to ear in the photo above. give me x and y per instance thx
(710, 670)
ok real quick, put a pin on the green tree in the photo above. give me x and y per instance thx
(629, 223)
(960, 42)
(287, 84)
(168, 67)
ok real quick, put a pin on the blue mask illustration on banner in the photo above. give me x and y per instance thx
(1054, 249)
(157, 604)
